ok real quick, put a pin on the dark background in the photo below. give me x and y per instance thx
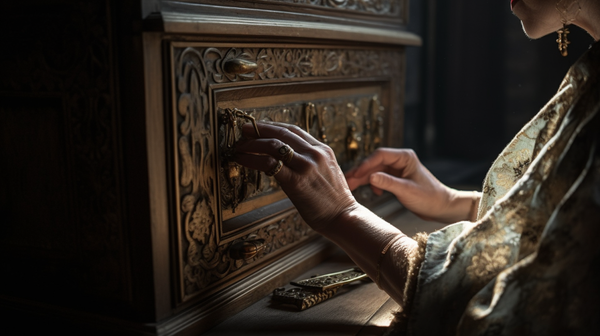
(475, 82)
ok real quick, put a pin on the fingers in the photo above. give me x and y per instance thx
(396, 186)
(271, 147)
(404, 160)
(290, 134)
(400, 162)
(263, 163)
(354, 182)
(376, 190)
(275, 141)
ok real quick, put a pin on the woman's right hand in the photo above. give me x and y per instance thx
(400, 172)
(312, 179)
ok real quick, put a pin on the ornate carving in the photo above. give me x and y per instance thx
(208, 263)
(381, 7)
(203, 191)
(273, 63)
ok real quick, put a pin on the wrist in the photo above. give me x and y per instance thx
(461, 206)
(341, 219)
(465, 205)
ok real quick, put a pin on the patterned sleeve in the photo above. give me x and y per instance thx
(529, 265)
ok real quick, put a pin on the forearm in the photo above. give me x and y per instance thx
(363, 236)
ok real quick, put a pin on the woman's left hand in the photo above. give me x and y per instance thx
(312, 179)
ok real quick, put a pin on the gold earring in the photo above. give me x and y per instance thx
(563, 40)
(568, 10)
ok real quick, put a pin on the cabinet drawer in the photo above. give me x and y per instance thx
(348, 98)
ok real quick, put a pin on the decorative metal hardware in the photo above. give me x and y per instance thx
(238, 66)
(317, 289)
(321, 122)
(332, 280)
(245, 250)
(309, 114)
(302, 298)
(352, 142)
(376, 114)
(229, 119)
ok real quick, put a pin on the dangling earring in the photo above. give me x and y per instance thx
(563, 40)
(569, 10)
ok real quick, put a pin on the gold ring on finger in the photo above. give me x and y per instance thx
(287, 154)
(275, 169)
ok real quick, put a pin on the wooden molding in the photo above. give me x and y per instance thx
(181, 23)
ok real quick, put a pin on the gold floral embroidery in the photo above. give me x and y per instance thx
(489, 262)
(514, 166)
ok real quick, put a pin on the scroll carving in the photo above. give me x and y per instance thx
(203, 191)
(273, 63)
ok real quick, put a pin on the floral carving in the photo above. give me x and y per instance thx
(202, 218)
(385, 7)
(202, 189)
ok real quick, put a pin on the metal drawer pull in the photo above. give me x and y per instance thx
(238, 66)
(309, 115)
(229, 118)
(245, 250)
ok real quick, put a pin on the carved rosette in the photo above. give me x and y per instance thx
(205, 262)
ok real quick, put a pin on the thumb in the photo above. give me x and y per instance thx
(396, 186)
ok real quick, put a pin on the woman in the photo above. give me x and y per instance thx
(523, 257)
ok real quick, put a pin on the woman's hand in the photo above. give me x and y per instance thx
(400, 172)
(315, 184)
(312, 178)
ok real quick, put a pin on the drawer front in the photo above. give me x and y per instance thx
(231, 220)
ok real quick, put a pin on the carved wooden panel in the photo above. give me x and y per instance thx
(381, 7)
(339, 95)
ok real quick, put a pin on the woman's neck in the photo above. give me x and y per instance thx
(589, 18)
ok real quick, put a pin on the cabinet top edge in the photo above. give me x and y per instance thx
(182, 23)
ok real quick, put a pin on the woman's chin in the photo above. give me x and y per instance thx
(535, 32)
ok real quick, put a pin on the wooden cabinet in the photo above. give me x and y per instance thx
(120, 207)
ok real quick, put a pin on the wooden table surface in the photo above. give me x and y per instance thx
(360, 308)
